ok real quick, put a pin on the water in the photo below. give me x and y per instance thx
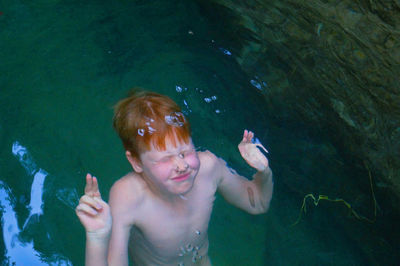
(65, 64)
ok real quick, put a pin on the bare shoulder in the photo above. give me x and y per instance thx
(127, 194)
(210, 164)
(208, 160)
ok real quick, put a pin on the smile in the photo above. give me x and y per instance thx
(181, 177)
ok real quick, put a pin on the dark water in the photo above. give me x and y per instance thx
(63, 64)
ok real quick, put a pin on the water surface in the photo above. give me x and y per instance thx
(65, 64)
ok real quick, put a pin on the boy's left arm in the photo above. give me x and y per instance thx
(252, 196)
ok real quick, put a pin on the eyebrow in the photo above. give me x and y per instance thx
(177, 151)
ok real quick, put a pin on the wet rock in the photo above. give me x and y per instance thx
(332, 65)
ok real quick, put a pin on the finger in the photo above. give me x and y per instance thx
(89, 184)
(86, 209)
(100, 201)
(251, 136)
(95, 187)
(90, 201)
(245, 135)
(92, 186)
(248, 136)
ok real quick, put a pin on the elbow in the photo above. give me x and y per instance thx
(263, 208)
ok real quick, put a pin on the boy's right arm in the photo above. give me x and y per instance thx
(122, 223)
(95, 216)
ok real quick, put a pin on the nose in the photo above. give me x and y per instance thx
(181, 164)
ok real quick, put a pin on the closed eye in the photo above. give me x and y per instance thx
(165, 159)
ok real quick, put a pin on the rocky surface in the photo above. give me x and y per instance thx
(331, 65)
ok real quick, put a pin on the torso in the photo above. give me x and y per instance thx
(174, 234)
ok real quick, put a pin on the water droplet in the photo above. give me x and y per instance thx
(256, 84)
(141, 132)
(182, 197)
(175, 119)
(151, 130)
(189, 247)
(183, 250)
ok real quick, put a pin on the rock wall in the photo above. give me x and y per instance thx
(333, 65)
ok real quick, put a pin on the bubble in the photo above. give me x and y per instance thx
(141, 132)
(151, 130)
(256, 84)
(225, 51)
(176, 119)
(189, 247)
(187, 106)
(210, 99)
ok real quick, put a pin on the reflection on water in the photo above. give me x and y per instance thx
(36, 202)
(35, 205)
(19, 251)
(68, 196)
(24, 158)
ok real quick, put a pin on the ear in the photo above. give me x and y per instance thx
(136, 164)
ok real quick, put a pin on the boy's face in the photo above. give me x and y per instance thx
(173, 171)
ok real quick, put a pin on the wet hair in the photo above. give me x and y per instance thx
(145, 119)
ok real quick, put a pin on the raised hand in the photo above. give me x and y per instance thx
(251, 154)
(92, 211)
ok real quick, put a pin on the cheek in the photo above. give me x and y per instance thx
(159, 172)
(193, 161)
(162, 172)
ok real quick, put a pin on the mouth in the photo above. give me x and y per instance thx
(181, 177)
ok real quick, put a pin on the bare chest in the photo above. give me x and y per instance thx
(175, 234)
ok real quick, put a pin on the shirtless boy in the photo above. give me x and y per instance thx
(159, 213)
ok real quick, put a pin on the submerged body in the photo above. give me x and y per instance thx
(169, 233)
(159, 214)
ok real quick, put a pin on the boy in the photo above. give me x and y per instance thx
(159, 213)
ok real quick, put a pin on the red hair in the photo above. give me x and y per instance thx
(145, 119)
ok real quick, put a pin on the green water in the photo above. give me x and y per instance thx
(64, 64)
